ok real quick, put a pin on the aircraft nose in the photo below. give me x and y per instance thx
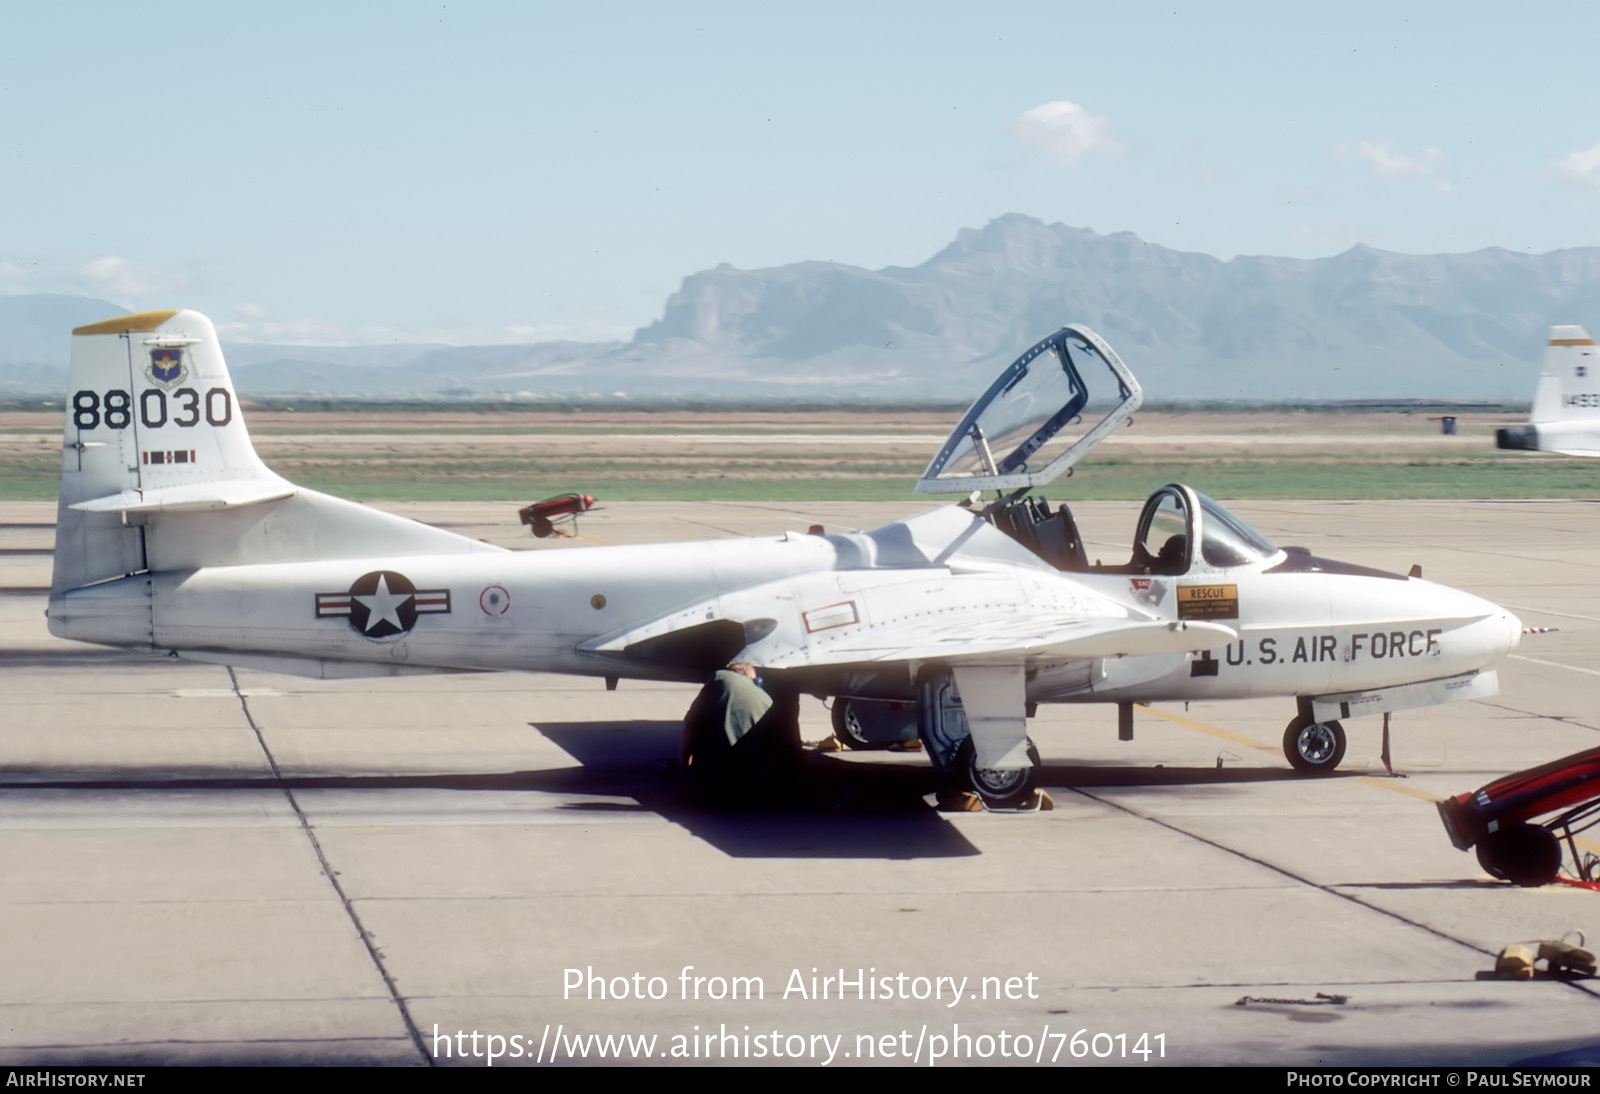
(1514, 629)
(1499, 630)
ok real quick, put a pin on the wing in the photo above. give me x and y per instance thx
(988, 617)
(982, 635)
(987, 625)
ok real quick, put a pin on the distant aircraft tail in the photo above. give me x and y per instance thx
(158, 472)
(1566, 404)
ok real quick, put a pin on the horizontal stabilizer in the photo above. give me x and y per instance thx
(191, 498)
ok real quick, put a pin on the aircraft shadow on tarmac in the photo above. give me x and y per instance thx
(841, 808)
(836, 810)
(901, 826)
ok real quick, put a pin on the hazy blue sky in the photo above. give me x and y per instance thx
(479, 172)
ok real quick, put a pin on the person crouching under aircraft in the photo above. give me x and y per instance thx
(734, 750)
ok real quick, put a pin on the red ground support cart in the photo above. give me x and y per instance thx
(1498, 818)
(541, 517)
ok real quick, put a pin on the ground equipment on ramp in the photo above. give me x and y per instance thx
(541, 517)
(1497, 818)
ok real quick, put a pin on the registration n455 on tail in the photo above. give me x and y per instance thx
(173, 537)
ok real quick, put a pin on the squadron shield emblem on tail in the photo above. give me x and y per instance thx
(166, 366)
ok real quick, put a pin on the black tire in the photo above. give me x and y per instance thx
(1314, 748)
(847, 727)
(1523, 854)
(998, 789)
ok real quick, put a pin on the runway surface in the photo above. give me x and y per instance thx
(205, 866)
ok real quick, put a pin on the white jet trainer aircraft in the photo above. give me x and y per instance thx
(1566, 404)
(174, 538)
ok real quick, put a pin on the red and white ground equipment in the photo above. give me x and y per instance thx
(1498, 818)
(542, 516)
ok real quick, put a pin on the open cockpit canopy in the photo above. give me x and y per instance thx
(1042, 415)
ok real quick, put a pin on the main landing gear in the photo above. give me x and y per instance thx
(997, 789)
(873, 724)
(1313, 747)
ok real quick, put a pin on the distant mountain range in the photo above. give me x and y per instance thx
(1362, 324)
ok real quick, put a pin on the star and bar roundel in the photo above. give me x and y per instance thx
(383, 604)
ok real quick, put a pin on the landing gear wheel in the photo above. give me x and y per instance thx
(998, 789)
(1523, 854)
(848, 728)
(1314, 748)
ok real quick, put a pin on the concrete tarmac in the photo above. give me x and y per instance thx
(213, 867)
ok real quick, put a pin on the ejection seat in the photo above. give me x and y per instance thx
(1052, 536)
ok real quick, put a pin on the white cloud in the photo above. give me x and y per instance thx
(123, 281)
(1582, 167)
(1067, 133)
(1391, 163)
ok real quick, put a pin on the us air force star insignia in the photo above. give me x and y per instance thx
(383, 604)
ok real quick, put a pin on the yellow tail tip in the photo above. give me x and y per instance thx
(126, 324)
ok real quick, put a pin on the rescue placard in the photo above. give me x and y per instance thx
(1208, 602)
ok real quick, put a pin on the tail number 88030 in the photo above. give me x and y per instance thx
(185, 408)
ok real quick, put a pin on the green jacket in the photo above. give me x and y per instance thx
(736, 703)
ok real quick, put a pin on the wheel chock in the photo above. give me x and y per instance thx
(960, 801)
(965, 801)
(1516, 962)
(1564, 955)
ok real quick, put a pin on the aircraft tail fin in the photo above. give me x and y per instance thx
(158, 470)
(152, 421)
(1566, 404)
(1569, 382)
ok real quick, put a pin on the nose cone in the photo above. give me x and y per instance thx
(1514, 626)
(1489, 631)
(1504, 628)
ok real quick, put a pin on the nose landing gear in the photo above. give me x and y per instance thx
(1313, 747)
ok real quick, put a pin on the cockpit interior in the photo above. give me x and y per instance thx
(1174, 518)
